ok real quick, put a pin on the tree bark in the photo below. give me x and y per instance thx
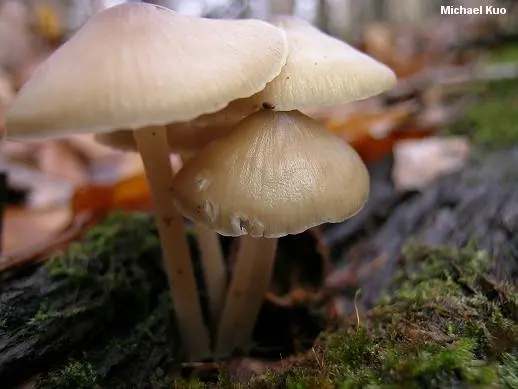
(476, 205)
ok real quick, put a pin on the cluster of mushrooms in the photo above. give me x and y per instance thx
(225, 95)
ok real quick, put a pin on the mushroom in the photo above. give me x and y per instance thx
(140, 66)
(277, 173)
(320, 71)
(186, 139)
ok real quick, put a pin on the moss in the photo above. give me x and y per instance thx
(492, 121)
(509, 371)
(97, 260)
(75, 374)
(505, 53)
(447, 324)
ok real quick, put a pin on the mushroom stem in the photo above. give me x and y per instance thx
(214, 270)
(250, 282)
(153, 147)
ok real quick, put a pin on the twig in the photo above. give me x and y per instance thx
(454, 75)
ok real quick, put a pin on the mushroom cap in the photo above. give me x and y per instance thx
(184, 138)
(277, 173)
(136, 65)
(321, 70)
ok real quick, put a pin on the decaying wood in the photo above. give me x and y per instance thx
(48, 311)
(105, 303)
(474, 206)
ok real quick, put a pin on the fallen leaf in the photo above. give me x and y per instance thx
(373, 134)
(359, 126)
(47, 236)
(417, 163)
(24, 227)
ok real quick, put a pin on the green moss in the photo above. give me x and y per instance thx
(505, 53)
(42, 314)
(75, 374)
(447, 324)
(509, 371)
(492, 120)
(96, 260)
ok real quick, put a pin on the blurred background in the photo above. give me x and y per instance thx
(53, 189)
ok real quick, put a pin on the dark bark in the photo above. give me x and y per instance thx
(109, 283)
(477, 206)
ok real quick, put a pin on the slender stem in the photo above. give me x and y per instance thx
(153, 147)
(214, 270)
(250, 282)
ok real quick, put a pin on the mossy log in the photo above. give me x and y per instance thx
(99, 316)
(475, 206)
(442, 311)
(106, 283)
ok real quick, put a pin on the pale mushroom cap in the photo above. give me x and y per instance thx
(321, 70)
(277, 173)
(185, 138)
(137, 65)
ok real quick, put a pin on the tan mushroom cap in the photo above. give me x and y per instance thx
(136, 65)
(277, 173)
(322, 71)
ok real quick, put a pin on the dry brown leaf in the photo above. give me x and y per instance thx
(24, 227)
(374, 125)
(39, 247)
(130, 194)
(418, 163)
(373, 133)
(340, 113)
